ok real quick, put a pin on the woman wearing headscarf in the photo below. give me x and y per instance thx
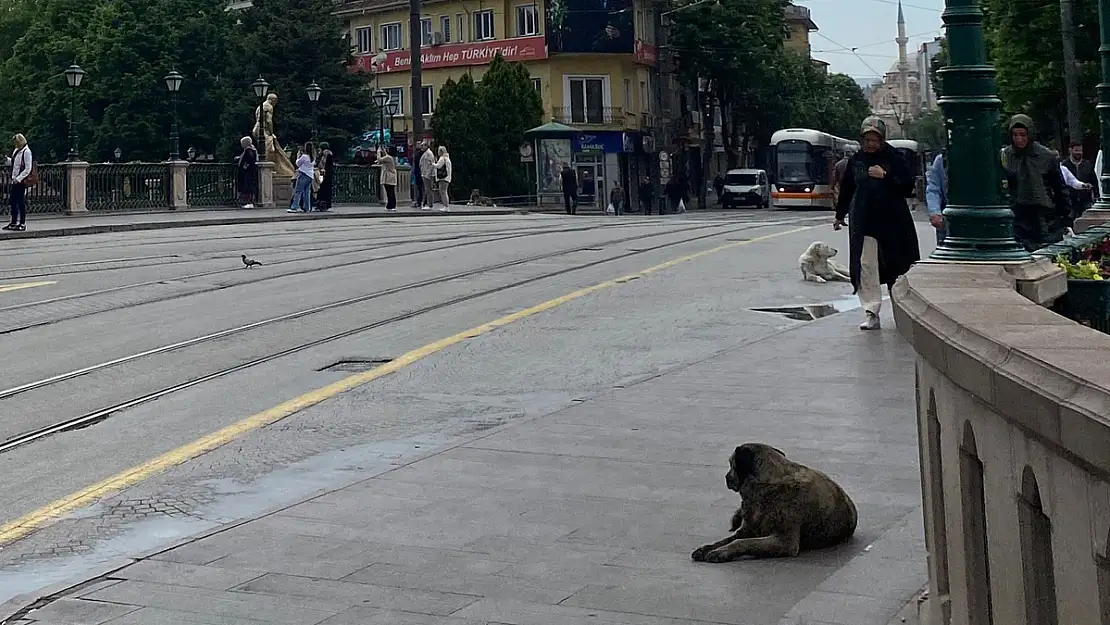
(325, 163)
(247, 173)
(1037, 193)
(881, 233)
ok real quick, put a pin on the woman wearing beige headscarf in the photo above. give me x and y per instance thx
(444, 169)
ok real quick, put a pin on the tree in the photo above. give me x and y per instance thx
(735, 45)
(929, 130)
(292, 43)
(937, 63)
(510, 106)
(459, 124)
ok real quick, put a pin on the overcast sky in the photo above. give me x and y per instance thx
(870, 26)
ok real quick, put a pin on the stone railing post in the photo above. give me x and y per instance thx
(404, 188)
(179, 184)
(265, 197)
(76, 187)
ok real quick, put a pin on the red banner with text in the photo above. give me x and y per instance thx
(460, 55)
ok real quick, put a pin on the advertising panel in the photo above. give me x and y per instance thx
(603, 26)
(460, 55)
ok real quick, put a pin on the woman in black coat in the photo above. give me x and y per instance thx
(246, 174)
(326, 164)
(881, 232)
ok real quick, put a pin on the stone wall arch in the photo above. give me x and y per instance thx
(1037, 563)
(973, 504)
(937, 528)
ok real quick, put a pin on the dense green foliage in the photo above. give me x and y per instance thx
(737, 45)
(128, 46)
(483, 127)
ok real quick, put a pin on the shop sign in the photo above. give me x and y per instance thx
(458, 55)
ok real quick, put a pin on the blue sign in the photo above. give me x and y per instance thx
(607, 141)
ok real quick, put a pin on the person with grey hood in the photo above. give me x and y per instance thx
(1035, 184)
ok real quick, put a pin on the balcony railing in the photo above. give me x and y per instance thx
(588, 116)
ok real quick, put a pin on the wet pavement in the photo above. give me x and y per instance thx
(559, 467)
(586, 515)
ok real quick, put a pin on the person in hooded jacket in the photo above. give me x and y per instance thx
(1036, 186)
(882, 236)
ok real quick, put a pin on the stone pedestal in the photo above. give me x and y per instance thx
(265, 197)
(179, 184)
(1090, 218)
(404, 188)
(76, 187)
(282, 191)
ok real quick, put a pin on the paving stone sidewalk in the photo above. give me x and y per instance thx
(54, 225)
(584, 516)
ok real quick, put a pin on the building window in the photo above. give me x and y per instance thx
(537, 86)
(445, 27)
(645, 101)
(391, 36)
(397, 99)
(461, 20)
(587, 101)
(527, 23)
(427, 100)
(426, 32)
(628, 94)
(483, 25)
(363, 40)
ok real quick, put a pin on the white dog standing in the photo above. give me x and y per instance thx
(817, 264)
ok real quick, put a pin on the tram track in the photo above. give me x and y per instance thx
(96, 416)
(489, 238)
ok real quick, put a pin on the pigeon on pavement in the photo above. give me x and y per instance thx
(250, 262)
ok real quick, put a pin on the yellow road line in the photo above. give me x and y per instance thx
(30, 522)
(4, 288)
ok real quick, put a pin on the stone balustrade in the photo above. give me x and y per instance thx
(79, 187)
(1013, 413)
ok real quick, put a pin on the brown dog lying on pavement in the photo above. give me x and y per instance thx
(785, 508)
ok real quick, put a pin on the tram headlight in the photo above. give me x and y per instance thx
(782, 189)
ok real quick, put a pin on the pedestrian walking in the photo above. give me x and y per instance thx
(646, 195)
(325, 164)
(675, 190)
(1082, 170)
(1037, 194)
(23, 175)
(444, 169)
(616, 198)
(246, 174)
(428, 176)
(570, 189)
(388, 166)
(881, 233)
(302, 189)
(936, 196)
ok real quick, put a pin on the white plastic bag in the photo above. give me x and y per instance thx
(610, 209)
(682, 206)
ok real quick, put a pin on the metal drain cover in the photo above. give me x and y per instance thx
(356, 365)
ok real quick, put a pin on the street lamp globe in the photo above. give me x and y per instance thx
(261, 87)
(118, 152)
(313, 91)
(74, 75)
(192, 152)
(380, 98)
(173, 81)
(391, 109)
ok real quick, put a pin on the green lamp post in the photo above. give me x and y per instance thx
(980, 224)
(1103, 88)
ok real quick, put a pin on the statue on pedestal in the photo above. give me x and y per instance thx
(264, 130)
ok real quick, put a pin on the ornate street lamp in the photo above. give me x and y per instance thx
(173, 83)
(380, 99)
(980, 224)
(313, 91)
(74, 75)
(1103, 89)
(261, 88)
(390, 111)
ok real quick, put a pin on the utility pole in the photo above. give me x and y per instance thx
(706, 101)
(417, 85)
(1071, 82)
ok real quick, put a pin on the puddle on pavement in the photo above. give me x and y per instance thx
(811, 312)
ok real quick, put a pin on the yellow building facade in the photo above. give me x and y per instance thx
(591, 61)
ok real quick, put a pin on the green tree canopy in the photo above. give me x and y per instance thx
(458, 124)
(292, 43)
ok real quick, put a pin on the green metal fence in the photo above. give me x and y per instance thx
(48, 196)
(128, 186)
(356, 184)
(212, 184)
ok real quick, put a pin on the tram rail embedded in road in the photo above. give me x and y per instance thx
(91, 418)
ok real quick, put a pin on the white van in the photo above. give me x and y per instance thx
(746, 187)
